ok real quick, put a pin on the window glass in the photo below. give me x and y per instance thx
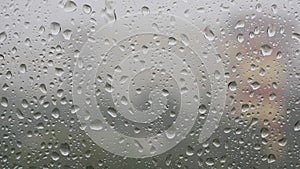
(149, 84)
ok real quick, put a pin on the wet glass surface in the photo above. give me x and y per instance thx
(149, 84)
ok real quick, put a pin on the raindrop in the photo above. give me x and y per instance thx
(208, 34)
(112, 112)
(271, 30)
(245, 107)
(264, 132)
(171, 132)
(172, 41)
(55, 28)
(64, 149)
(296, 36)
(145, 10)
(282, 142)
(239, 24)
(23, 68)
(297, 126)
(3, 36)
(70, 6)
(55, 113)
(202, 109)
(232, 86)
(87, 8)
(55, 156)
(189, 151)
(96, 125)
(109, 88)
(67, 34)
(240, 38)
(255, 85)
(4, 102)
(271, 158)
(266, 50)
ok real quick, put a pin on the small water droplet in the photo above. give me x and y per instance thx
(3, 36)
(208, 34)
(4, 102)
(271, 30)
(297, 126)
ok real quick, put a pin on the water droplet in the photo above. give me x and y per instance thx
(19, 114)
(43, 88)
(271, 30)
(87, 8)
(4, 102)
(297, 126)
(202, 109)
(245, 107)
(70, 6)
(23, 68)
(240, 38)
(55, 156)
(208, 34)
(271, 158)
(112, 112)
(189, 151)
(67, 34)
(124, 100)
(239, 24)
(272, 96)
(55, 28)
(266, 50)
(96, 125)
(171, 132)
(64, 149)
(274, 8)
(55, 113)
(296, 36)
(232, 86)
(282, 142)
(145, 10)
(3, 36)
(185, 40)
(59, 71)
(172, 41)
(258, 7)
(264, 132)
(109, 88)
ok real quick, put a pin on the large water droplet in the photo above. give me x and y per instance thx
(266, 50)
(55, 28)
(70, 6)
(96, 125)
